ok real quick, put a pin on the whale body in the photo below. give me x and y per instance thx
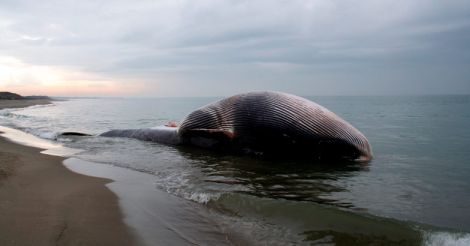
(263, 123)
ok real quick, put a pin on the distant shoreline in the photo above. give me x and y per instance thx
(13, 100)
(22, 103)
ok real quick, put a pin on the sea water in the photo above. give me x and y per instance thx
(415, 191)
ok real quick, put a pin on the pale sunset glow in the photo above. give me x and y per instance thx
(28, 79)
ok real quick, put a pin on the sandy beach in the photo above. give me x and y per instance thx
(22, 103)
(44, 203)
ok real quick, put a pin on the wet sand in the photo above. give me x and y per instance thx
(22, 103)
(44, 203)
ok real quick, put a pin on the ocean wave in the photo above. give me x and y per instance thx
(38, 106)
(4, 112)
(179, 184)
(9, 114)
(201, 197)
(25, 123)
(38, 132)
(41, 133)
(8, 110)
(446, 239)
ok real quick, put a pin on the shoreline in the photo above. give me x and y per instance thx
(148, 214)
(54, 198)
(45, 203)
(23, 103)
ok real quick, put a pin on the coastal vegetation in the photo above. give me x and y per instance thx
(5, 95)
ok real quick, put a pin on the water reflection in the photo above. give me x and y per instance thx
(331, 237)
(291, 180)
(264, 197)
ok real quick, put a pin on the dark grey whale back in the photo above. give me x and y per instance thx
(274, 123)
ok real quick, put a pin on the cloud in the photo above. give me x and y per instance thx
(209, 47)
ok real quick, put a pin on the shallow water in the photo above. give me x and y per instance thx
(415, 191)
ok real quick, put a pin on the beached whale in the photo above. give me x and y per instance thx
(263, 123)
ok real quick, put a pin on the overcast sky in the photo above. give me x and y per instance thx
(217, 48)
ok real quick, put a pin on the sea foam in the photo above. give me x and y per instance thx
(446, 239)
